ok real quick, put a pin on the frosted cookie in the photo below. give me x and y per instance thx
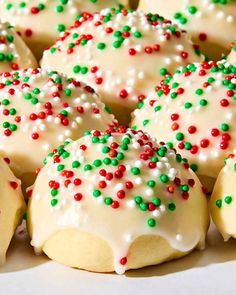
(14, 54)
(12, 207)
(41, 22)
(194, 111)
(116, 201)
(222, 204)
(39, 110)
(212, 23)
(121, 54)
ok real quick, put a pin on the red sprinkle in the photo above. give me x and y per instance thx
(13, 184)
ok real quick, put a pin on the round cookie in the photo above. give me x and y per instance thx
(121, 54)
(194, 111)
(41, 22)
(117, 201)
(12, 206)
(14, 54)
(39, 110)
(211, 23)
(222, 203)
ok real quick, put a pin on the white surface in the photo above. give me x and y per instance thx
(212, 271)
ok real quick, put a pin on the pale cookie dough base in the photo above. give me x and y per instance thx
(12, 208)
(78, 249)
(224, 217)
(14, 218)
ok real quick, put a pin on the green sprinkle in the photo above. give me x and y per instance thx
(203, 102)
(84, 70)
(59, 8)
(54, 192)
(61, 28)
(171, 207)
(65, 155)
(135, 170)
(76, 69)
(88, 167)
(192, 9)
(164, 178)
(120, 156)
(224, 127)
(157, 108)
(184, 188)
(194, 167)
(67, 92)
(60, 167)
(75, 164)
(145, 122)
(107, 161)
(5, 124)
(156, 201)
(179, 136)
(151, 183)
(106, 150)
(143, 206)
(97, 163)
(108, 201)
(228, 200)
(114, 162)
(138, 200)
(96, 193)
(151, 222)
(36, 91)
(5, 102)
(219, 203)
(95, 139)
(183, 20)
(54, 202)
(173, 95)
(13, 127)
(163, 71)
(34, 100)
(199, 91)
(188, 105)
(126, 140)
(101, 46)
(137, 34)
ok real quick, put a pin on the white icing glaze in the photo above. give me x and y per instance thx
(123, 75)
(181, 221)
(45, 109)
